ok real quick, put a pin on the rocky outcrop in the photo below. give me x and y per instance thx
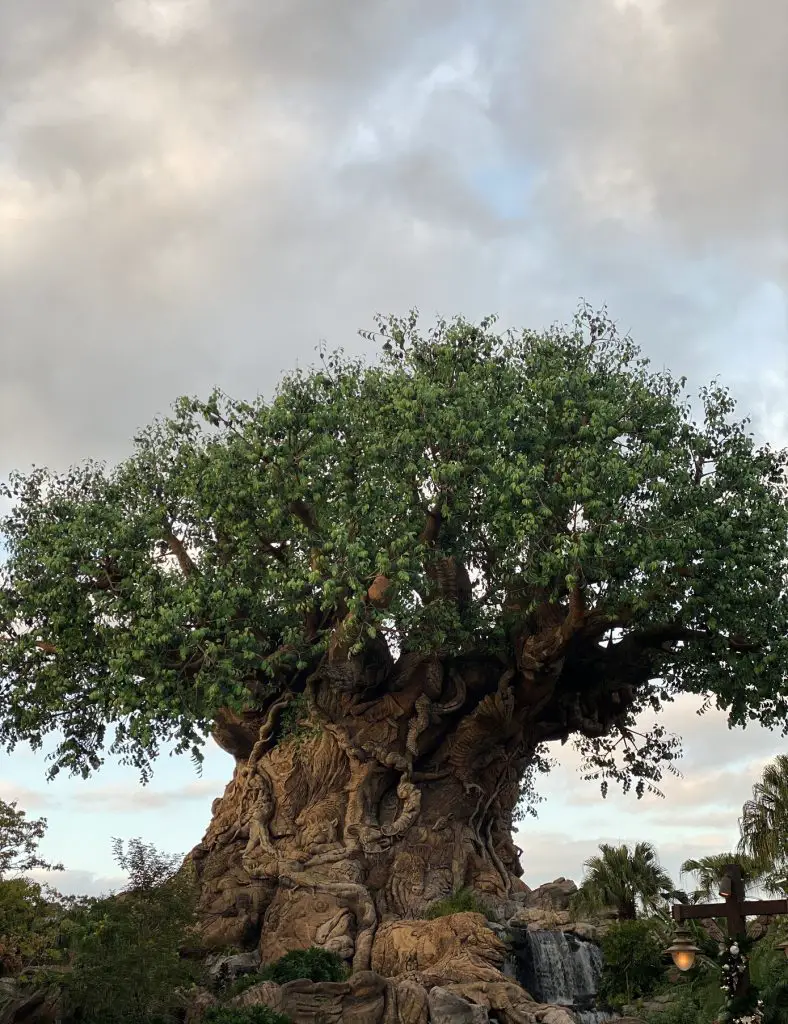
(449, 1008)
(457, 948)
(368, 998)
(20, 1006)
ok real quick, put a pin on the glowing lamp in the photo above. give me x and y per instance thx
(683, 950)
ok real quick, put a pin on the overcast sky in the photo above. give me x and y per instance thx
(197, 192)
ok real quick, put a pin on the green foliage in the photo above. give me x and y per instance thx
(764, 823)
(30, 916)
(314, 963)
(769, 972)
(633, 965)
(244, 1015)
(123, 951)
(19, 839)
(709, 870)
(622, 878)
(213, 564)
(692, 1005)
(239, 984)
(460, 901)
(294, 723)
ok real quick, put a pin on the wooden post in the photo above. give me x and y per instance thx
(735, 910)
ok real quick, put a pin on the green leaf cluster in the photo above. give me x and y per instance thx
(210, 568)
(315, 964)
(124, 956)
(461, 901)
(633, 965)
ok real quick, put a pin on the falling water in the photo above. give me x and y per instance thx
(559, 968)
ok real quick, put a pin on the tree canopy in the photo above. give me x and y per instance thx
(447, 497)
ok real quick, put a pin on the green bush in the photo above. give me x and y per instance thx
(314, 963)
(241, 984)
(244, 1015)
(461, 901)
(124, 951)
(769, 972)
(632, 966)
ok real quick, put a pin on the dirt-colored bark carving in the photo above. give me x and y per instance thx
(399, 787)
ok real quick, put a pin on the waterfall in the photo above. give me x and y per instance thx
(556, 967)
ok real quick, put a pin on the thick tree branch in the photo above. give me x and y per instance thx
(304, 514)
(178, 549)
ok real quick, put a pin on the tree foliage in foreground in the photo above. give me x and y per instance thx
(626, 879)
(19, 839)
(560, 477)
(764, 822)
(124, 956)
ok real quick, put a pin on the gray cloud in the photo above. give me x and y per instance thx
(80, 883)
(193, 193)
(26, 798)
(128, 798)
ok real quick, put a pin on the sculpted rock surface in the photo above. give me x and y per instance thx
(365, 998)
(553, 895)
(397, 788)
(457, 948)
(450, 1008)
(509, 1003)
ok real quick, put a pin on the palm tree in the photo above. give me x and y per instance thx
(764, 823)
(709, 870)
(624, 879)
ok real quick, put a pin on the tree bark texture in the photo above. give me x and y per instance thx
(400, 788)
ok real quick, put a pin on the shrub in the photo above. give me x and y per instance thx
(632, 963)
(461, 901)
(314, 963)
(244, 1015)
(124, 951)
(240, 984)
(768, 969)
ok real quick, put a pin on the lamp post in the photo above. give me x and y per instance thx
(735, 909)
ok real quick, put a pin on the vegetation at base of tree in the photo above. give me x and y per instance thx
(228, 989)
(315, 964)
(625, 879)
(244, 1015)
(461, 901)
(633, 963)
(124, 951)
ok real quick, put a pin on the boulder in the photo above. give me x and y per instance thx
(506, 1001)
(233, 966)
(20, 1005)
(448, 1007)
(554, 895)
(365, 998)
(544, 918)
(456, 948)
(583, 930)
(411, 1002)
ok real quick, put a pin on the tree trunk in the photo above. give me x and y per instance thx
(399, 789)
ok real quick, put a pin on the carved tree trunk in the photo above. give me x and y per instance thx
(400, 789)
